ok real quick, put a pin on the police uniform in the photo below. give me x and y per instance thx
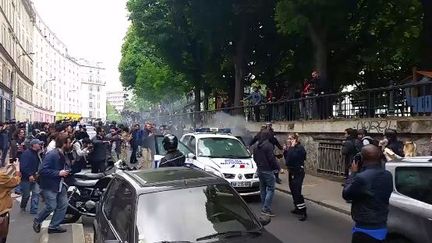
(294, 159)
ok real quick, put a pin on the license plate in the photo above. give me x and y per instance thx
(241, 184)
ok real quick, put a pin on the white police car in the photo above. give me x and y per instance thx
(217, 151)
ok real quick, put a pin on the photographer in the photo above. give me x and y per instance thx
(81, 149)
(369, 188)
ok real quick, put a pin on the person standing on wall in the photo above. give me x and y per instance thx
(295, 156)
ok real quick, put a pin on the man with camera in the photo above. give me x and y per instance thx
(369, 188)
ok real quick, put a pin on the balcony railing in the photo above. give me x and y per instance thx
(408, 100)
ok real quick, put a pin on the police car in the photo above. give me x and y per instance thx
(219, 152)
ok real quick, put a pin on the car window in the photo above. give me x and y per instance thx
(109, 197)
(222, 148)
(122, 213)
(205, 210)
(181, 147)
(192, 143)
(415, 182)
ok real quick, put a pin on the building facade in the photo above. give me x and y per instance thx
(60, 80)
(117, 99)
(92, 92)
(16, 61)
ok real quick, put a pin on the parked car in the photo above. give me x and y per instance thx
(410, 216)
(175, 205)
(226, 156)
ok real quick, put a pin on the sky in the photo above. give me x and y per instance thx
(91, 29)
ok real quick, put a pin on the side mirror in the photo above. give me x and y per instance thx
(191, 156)
(264, 220)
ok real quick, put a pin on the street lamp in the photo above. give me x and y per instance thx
(26, 54)
(48, 80)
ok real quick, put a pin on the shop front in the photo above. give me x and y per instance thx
(23, 110)
(42, 115)
(67, 116)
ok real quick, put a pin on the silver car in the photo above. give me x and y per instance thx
(410, 216)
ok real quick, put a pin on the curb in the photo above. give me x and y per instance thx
(75, 234)
(327, 205)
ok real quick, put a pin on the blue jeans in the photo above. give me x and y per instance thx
(26, 188)
(54, 201)
(267, 187)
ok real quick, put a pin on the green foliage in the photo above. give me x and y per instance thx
(142, 70)
(112, 113)
(174, 46)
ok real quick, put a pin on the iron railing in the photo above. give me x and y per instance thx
(407, 100)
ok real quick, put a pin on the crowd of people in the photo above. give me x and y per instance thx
(38, 160)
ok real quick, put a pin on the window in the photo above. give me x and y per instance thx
(109, 197)
(192, 143)
(205, 210)
(415, 182)
(122, 213)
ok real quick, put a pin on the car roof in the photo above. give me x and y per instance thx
(153, 180)
(417, 159)
(210, 135)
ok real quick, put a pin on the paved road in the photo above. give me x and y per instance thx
(324, 225)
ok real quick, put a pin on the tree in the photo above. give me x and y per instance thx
(112, 113)
(147, 74)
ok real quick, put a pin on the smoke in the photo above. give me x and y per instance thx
(237, 123)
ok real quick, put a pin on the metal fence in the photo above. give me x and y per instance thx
(407, 100)
(330, 159)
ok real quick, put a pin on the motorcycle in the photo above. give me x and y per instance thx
(86, 192)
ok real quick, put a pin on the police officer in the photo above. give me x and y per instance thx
(295, 155)
(174, 157)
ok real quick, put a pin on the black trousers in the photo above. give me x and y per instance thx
(360, 237)
(295, 179)
(98, 166)
(133, 158)
(257, 113)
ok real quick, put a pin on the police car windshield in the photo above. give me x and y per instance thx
(222, 148)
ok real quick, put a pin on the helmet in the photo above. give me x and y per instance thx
(170, 142)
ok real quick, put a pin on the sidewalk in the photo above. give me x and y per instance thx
(319, 190)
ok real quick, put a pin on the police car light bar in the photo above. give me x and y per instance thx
(212, 130)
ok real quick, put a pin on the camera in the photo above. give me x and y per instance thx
(358, 160)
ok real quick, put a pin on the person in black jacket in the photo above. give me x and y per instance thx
(349, 149)
(393, 143)
(29, 166)
(98, 156)
(295, 156)
(273, 140)
(174, 157)
(267, 164)
(369, 188)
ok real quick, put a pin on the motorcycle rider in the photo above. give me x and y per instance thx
(173, 158)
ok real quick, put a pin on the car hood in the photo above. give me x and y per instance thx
(227, 163)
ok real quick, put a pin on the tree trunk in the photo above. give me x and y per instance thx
(427, 35)
(318, 38)
(239, 62)
(197, 94)
(206, 98)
